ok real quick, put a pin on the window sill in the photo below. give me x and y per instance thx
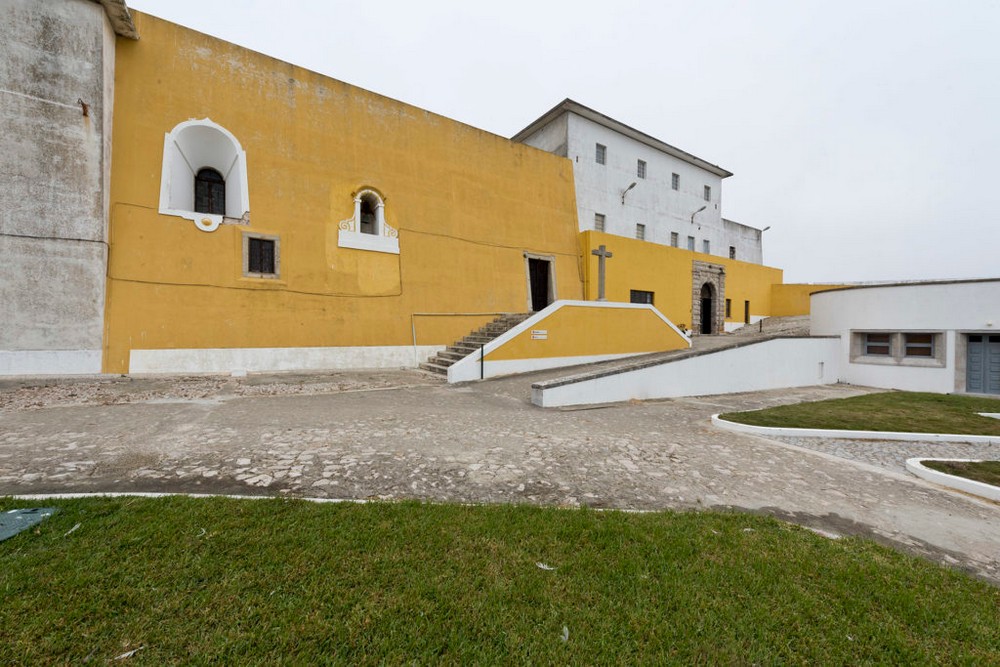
(893, 361)
(369, 242)
(206, 222)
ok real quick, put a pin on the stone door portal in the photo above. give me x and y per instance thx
(708, 298)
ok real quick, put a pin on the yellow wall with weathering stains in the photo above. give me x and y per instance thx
(592, 330)
(468, 204)
(793, 298)
(666, 271)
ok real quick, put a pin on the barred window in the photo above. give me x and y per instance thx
(919, 345)
(209, 192)
(877, 344)
(640, 232)
(640, 169)
(599, 222)
(675, 181)
(602, 154)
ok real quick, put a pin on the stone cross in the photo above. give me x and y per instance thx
(602, 254)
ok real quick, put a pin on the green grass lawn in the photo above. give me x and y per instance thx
(275, 581)
(987, 472)
(889, 411)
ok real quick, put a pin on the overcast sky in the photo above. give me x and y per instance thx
(864, 133)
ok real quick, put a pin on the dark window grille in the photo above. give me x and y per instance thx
(919, 345)
(260, 256)
(640, 296)
(877, 344)
(209, 192)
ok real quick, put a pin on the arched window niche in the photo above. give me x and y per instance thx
(204, 175)
(367, 228)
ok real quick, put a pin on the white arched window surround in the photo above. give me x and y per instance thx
(194, 145)
(384, 238)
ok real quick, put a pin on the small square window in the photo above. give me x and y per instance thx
(690, 243)
(675, 181)
(602, 154)
(260, 256)
(706, 246)
(732, 252)
(919, 345)
(708, 193)
(640, 232)
(640, 169)
(599, 222)
(877, 344)
(674, 240)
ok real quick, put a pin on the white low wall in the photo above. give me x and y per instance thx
(267, 359)
(771, 364)
(50, 362)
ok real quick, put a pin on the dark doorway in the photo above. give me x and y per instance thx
(538, 276)
(707, 304)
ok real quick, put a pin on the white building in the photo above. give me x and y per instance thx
(631, 184)
(931, 336)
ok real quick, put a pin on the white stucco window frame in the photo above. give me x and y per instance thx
(385, 239)
(194, 145)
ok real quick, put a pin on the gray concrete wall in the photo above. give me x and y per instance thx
(54, 177)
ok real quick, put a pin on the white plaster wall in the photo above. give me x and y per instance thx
(973, 306)
(50, 362)
(747, 240)
(263, 359)
(552, 137)
(652, 201)
(943, 307)
(772, 364)
(54, 170)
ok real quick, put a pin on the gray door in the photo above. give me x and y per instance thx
(982, 375)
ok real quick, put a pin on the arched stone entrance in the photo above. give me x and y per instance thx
(708, 298)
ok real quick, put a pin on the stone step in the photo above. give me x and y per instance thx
(434, 368)
(452, 356)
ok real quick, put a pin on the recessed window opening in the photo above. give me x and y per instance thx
(640, 232)
(209, 192)
(729, 307)
(919, 345)
(690, 243)
(640, 296)
(732, 252)
(877, 344)
(675, 181)
(706, 246)
(673, 239)
(599, 222)
(601, 154)
(708, 193)
(640, 169)
(368, 223)
(260, 256)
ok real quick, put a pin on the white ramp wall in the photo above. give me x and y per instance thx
(770, 364)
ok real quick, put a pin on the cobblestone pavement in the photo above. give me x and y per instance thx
(405, 434)
(892, 454)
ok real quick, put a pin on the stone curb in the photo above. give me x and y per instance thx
(852, 435)
(980, 489)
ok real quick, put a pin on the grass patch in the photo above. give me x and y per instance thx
(889, 411)
(987, 472)
(277, 581)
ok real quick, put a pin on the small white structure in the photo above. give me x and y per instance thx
(923, 336)
(631, 184)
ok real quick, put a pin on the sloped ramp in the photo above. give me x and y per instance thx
(732, 366)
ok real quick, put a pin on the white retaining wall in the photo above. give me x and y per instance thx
(772, 364)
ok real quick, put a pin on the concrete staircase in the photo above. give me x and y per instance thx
(471, 343)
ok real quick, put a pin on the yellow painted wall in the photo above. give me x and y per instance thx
(793, 298)
(666, 271)
(574, 331)
(467, 205)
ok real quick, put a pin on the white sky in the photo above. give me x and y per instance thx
(865, 133)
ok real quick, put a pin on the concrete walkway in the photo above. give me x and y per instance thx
(405, 434)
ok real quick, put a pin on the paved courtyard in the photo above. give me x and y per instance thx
(405, 434)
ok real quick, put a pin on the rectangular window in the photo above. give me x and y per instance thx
(690, 243)
(640, 232)
(602, 154)
(919, 344)
(746, 312)
(708, 193)
(260, 256)
(732, 252)
(640, 296)
(675, 181)
(706, 246)
(729, 307)
(674, 240)
(876, 344)
(640, 169)
(599, 222)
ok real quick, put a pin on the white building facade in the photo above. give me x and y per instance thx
(631, 184)
(939, 337)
